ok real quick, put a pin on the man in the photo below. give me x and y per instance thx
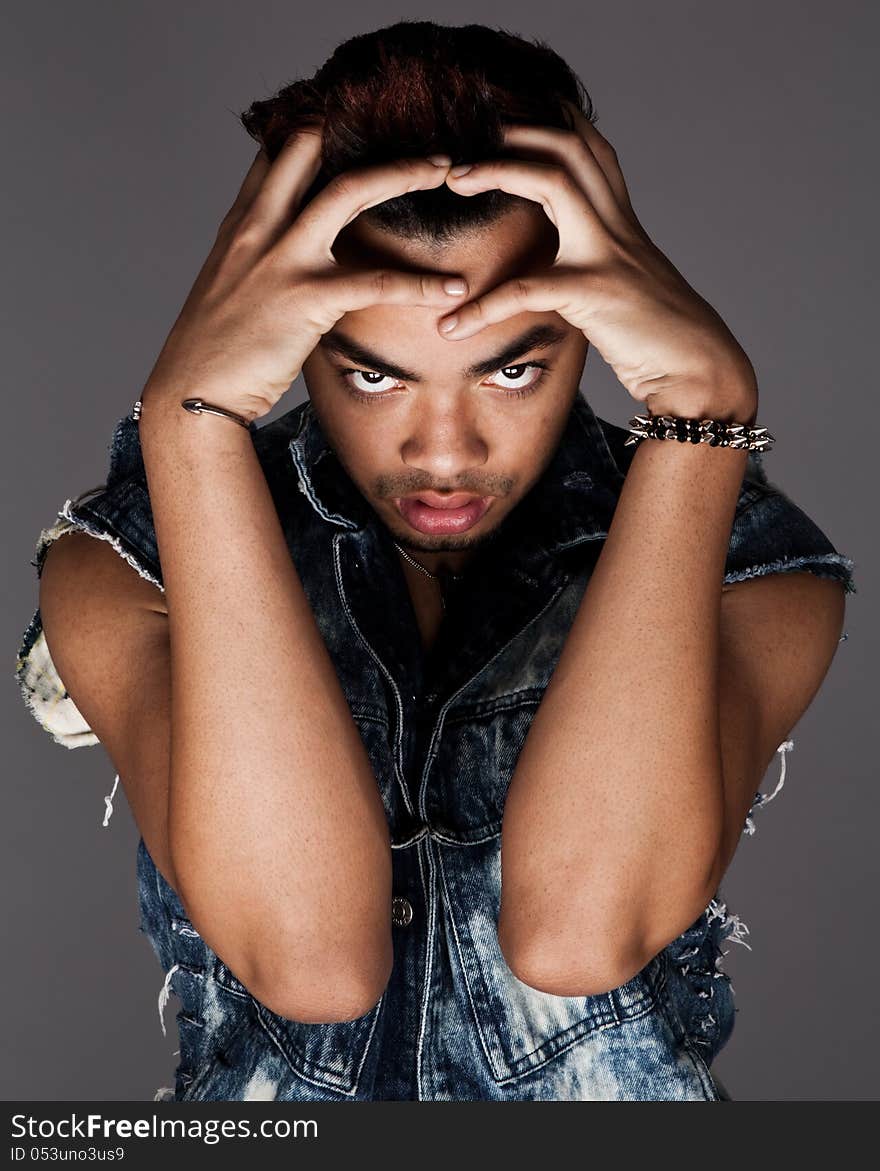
(436, 624)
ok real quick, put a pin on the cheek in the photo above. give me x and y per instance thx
(363, 454)
(531, 443)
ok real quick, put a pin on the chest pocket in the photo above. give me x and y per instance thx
(373, 725)
(332, 1055)
(474, 761)
(520, 1027)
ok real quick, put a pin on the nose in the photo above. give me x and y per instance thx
(444, 441)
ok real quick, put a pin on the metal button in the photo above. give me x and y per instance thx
(401, 911)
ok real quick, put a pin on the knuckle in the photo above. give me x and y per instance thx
(341, 186)
(317, 304)
(581, 147)
(412, 171)
(303, 290)
(228, 224)
(564, 179)
(245, 231)
(602, 148)
(416, 167)
(605, 151)
(607, 280)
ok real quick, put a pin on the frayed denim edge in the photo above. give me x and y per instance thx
(839, 568)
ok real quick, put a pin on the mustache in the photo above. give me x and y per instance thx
(387, 487)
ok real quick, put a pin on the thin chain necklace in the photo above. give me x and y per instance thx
(421, 568)
(435, 576)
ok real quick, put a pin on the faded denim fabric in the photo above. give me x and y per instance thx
(443, 731)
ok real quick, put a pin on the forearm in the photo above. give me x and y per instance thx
(276, 826)
(613, 819)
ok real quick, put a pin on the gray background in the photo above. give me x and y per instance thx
(745, 132)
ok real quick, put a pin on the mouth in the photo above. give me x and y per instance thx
(434, 512)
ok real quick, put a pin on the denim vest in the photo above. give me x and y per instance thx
(443, 731)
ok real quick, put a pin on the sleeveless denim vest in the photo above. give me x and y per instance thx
(443, 731)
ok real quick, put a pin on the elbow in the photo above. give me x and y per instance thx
(571, 968)
(324, 992)
(595, 959)
(298, 974)
(310, 1000)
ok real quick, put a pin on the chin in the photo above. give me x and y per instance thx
(423, 544)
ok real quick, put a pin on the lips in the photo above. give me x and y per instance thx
(452, 513)
(446, 499)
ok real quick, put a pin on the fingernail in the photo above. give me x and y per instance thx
(440, 160)
(461, 168)
(448, 324)
(454, 285)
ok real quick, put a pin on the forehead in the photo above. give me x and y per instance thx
(522, 239)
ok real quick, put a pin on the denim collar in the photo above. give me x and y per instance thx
(572, 502)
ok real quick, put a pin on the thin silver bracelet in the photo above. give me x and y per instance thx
(715, 432)
(196, 406)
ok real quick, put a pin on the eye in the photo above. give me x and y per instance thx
(514, 376)
(516, 381)
(372, 380)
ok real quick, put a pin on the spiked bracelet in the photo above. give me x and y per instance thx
(715, 432)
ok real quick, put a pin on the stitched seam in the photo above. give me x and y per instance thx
(398, 731)
(431, 904)
(490, 1057)
(438, 727)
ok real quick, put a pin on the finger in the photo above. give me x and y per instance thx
(312, 235)
(348, 291)
(545, 293)
(583, 235)
(250, 185)
(606, 156)
(568, 148)
(288, 179)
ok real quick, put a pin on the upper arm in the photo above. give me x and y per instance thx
(779, 634)
(106, 629)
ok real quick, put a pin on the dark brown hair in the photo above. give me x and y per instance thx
(416, 88)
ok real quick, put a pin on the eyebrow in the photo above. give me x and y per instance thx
(539, 337)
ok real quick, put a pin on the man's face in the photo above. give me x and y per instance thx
(410, 412)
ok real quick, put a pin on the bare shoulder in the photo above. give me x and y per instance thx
(779, 635)
(786, 624)
(106, 628)
(799, 597)
(107, 632)
(83, 570)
